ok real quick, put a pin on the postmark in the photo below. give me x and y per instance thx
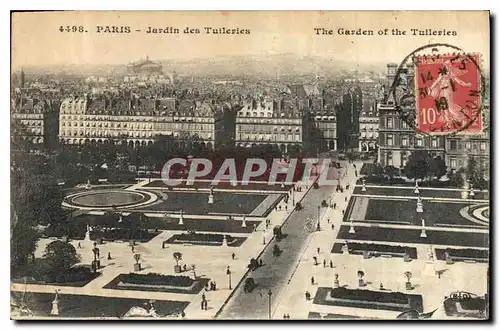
(439, 90)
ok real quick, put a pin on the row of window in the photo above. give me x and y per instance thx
(455, 145)
(189, 126)
(389, 123)
(135, 118)
(266, 129)
(269, 137)
(132, 134)
(405, 141)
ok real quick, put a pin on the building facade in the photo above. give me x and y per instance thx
(138, 121)
(39, 119)
(269, 121)
(368, 131)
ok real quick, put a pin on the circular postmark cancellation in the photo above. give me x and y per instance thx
(439, 89)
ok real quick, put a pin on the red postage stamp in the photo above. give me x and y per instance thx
(448, 89)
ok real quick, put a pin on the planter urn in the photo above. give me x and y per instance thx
(409, 286)
(137, 267)
(177, 269)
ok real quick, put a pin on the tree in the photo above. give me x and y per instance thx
(417, 166)
(437, 167)
(23, 243)
(61, 256)
(391, 171)
(177, 257)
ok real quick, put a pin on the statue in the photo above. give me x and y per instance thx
(211, 196)
(55, 304)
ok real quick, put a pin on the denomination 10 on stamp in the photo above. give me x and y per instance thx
(448, 94)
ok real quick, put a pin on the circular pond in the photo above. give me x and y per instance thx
(108, 198)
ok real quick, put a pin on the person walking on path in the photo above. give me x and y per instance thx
(233, 255)
(318, 249)
(331, 264)
(324, 263)
(312, 280)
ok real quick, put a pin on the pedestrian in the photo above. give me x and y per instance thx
(109, 255)
(202, 304)
(132, 249)
(163, 244)
(206, 287)
(328, 220)
(315, 260)
(318, 249)
(260, 263)
(233, 255)
(79, 245)
(203, 297)
(183, 314)
(324, 263)
(308, 295)
(333, 226)
(347, 187)
(287, 316)
(331, 264)
(284, 316)
(381, 286)
(345, 198)
(215, 286)
(279, 207)
(343, 212)
(356, 173)
(312, 280)
(267, 225)
(334, 206)
(286, 208)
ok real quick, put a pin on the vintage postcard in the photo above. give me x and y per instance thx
(241, 165)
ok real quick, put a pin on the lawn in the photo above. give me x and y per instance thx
(197, 203)
(205, 239)
(380, 300)
(222, 185)
(81, 306)
(434, 213)
(376, 249)
(413, 236)
(422, 192)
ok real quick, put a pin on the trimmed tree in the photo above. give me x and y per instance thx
(61, 256)
(177, 257)
(417, 166)
(437, 167)
(408, 278)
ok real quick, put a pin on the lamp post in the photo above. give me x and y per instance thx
(270, 293)
(318, 228)
(228, 272)
(293, 196)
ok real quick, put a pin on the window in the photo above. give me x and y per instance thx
(389, 140)
(390, 123)
(453, 145)
(453, 162)
(467, 145)
(419, 142)
(482, 146)
(404, 125)
(434, 142)
(404, 141)
(389, 159)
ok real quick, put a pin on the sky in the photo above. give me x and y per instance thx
(37, 40)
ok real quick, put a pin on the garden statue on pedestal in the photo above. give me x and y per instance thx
(351, 228)
(420, 205)
(423, 234)
(363, 188)
(55, 304)
(416, 191)
(244, 222)
(181, 217)
(345, 248)
(448, 259)
(224, 240)
(211, 196)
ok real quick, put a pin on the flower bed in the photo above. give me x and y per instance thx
(395, 301)
(205, 239)
(464, 254)
(377, 249)
(122, 234)
(157, 282)
(474, 307)
(42, 273)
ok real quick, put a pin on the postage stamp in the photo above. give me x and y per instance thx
(448, 94)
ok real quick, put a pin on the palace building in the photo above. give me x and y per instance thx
(137, 121)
